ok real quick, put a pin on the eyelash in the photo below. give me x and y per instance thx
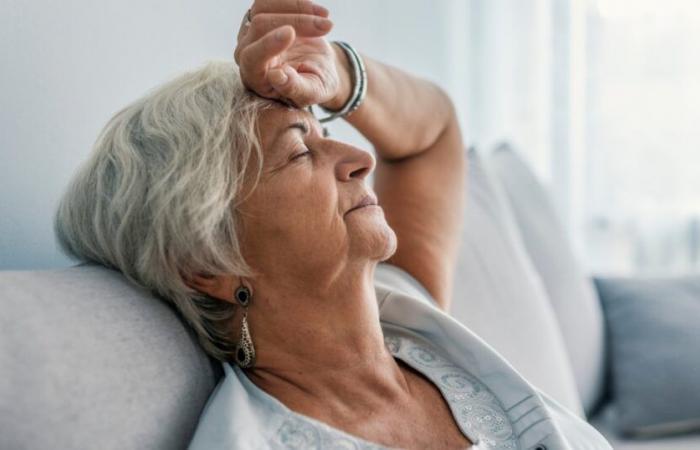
(307, 152)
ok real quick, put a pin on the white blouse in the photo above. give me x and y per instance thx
(493, 405)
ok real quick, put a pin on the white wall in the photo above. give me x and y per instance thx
(511, 65)
(68, 66)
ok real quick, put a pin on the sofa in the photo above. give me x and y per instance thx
(89, 360)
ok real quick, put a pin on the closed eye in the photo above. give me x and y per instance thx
(299, 155)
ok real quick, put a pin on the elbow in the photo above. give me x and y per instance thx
(450, 130)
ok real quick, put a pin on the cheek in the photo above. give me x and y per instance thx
(296, 212)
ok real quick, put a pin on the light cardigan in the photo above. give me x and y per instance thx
(239, 415)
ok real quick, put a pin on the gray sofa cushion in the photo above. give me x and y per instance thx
(569, 289)
(91, 361)
(654, 340)
(498, 294)
(604, 421)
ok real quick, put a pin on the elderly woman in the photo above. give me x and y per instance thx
(221, 192)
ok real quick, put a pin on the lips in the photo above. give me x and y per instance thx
(367, 200)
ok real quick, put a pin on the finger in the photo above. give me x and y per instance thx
(242, 29)
(255, 57)
(290, 84)
(288, 6)
(304, 25)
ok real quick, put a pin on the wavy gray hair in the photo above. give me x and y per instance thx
(157, 198)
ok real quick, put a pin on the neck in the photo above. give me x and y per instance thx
(322, 339)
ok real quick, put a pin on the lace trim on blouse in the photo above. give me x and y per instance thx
(477, 411)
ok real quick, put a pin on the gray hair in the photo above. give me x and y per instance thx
(157, 198)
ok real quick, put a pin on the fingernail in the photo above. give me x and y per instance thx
(322, 24)
(281, 34)
(319, 10)
(278, 77)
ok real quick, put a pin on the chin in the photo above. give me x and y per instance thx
(391, 244)
(373, 237)
(381, 244)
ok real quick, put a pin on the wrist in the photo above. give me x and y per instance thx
(345, 85)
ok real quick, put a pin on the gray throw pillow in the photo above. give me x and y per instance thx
(654, 351)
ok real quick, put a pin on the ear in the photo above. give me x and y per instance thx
(217, 286)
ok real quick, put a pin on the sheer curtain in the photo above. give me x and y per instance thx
(643, 111)
(601, 96)
(526, 59)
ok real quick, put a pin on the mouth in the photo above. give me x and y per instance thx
(367, 200)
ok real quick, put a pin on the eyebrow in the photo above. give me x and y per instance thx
(299, 125)
(294, 125)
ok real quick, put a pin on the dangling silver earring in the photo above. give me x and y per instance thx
(245, 350)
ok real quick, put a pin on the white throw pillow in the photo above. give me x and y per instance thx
(498, 294)
(570, 290)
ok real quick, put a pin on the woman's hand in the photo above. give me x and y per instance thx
(282, 53)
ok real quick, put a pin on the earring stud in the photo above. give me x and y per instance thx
(243, 296)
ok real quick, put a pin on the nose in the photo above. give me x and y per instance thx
(354, 163)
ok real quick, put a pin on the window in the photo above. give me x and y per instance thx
(642, 122)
